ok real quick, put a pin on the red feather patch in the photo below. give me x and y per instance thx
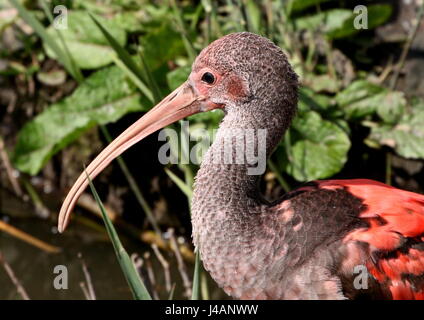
(392, 213)
(395, 234)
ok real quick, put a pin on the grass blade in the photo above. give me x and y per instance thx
(180, 183)
(131, 275)
(127, 63)
(134, 78)
(181, 25)
(195, 295)
(150, 79)
(171, 293)
(134, 186)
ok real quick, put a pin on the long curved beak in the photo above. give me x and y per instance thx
(182, 102)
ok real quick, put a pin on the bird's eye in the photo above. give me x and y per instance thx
(208, 77)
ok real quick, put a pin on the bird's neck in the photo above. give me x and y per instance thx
(227, 207)
(231, 169)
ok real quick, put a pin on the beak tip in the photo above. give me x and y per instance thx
(61, 224)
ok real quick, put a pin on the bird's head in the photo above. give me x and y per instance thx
(244, 74)
(244, 69)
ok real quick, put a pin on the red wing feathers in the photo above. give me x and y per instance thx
(395, 234)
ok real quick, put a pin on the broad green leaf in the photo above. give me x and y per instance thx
(339, 23)
(321, 83)
(392, 106)
(406, 137)
(104, 97)
(86, 43)
(318, 148)
(377, 15)
(323, 104)
(356, 91)
(309, 99)
(328, 21)
(363, 98)
(360, 99)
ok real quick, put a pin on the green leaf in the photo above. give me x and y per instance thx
(119, 49)
(406, 137)
(339, 23)
(363, 98)
(328, 21)
(360, 99)
(322, 82)
(318, 148)
(309, 99)
(180, 183)
(377, 15)
(137, 286)
(102, 98)
(392, 106)
(87, 45)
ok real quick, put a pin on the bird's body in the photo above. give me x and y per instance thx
(314, 242)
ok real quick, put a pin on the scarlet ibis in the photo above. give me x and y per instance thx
(312, 242)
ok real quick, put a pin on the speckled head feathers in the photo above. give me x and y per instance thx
(250, 67)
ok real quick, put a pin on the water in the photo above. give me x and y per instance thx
(34, 267)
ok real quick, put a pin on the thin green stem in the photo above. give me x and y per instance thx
(181, 25)
(135, 79)
(134, 186)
